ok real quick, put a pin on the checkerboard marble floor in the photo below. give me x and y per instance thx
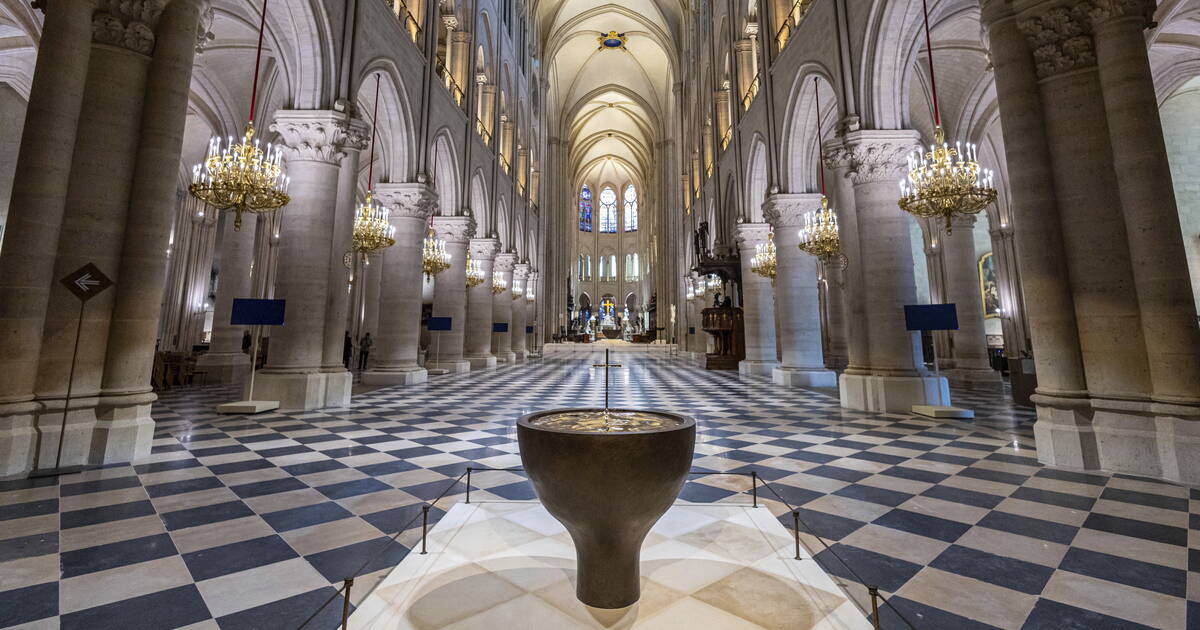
(252, 522)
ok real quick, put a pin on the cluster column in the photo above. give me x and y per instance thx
(893, 378)
(502, 310)
(520, 277)
(393, 360)
(478, 345)
(450, 295)
(758, 297)
(797, 297)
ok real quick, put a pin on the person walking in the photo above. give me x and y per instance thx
(347, 350)
(364, 349)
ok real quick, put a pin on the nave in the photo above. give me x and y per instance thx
(253, 522)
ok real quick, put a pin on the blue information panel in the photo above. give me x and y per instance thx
(529, 330)
(931, 317)
(500, 327)
(439, 323)
(691, 330)
(250, 312)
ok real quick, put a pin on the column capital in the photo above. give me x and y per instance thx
(129, 25)
(484, 248)
(460, 37)
(964, 221)
(520, 271)
(1060, 38)
(313, 135)
(1102, 11)
(505, 261)
(358, 135)
(785, 211)
(874, 155)
(750, 234)
(454, 229)
(411, 200)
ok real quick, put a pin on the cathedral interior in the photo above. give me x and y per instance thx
(281, 281)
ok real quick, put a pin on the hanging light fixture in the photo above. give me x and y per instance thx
(946, 181)
(820, 235)
(764, 261)
(373, 231)
(517, 291)
(243, 177)
(529, 295)
(434, 257)
(498, 283)
(474, 272)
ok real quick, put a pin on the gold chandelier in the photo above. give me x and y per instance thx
(242, 177)
(434, 257)
(764, 262)
(529, 294)
(517, 291)
(474, 272)
(945, 181)
(498, 283)
(373, 231)
(820, 235)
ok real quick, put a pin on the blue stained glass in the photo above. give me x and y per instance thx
(585, 209)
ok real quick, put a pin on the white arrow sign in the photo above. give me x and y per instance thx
(85, 281)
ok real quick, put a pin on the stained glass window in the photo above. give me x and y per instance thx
(608, 211)
(631, 209)
(585, 209)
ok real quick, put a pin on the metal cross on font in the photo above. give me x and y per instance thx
(607, 365)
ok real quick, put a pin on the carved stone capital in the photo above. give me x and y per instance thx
(128, 24)
(454, 229)
(413, 200)
(358, 135)
(786, 211)
(874, 156)
(964, 221)
(204, 34)
(1060, 38)
(1101, 11)
(313, 135)
(505, 262)
(520, 271)
(750, 234)
(484, 248)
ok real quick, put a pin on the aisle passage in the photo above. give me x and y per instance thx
(245, 522)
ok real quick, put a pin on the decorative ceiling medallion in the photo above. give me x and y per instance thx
(612, 39)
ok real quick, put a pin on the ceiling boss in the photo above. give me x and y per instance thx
(612, 39)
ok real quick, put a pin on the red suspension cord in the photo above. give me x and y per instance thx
(817, 104)
(937, 115)
(262, 27)
(374, 128)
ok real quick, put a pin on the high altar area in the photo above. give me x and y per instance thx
(647, 314)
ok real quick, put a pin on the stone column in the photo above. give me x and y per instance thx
(721, 103)
(520, 277)
(312, 141)
(502, 309)
(225, 361)
(450, 296)
(797, 301)
(460, 54)
(1143, 176)
(338, 379)
(835, 312)
(744, 49)
(35, 215)
(1063, 436)
(506, 139)
(374, 280)
(393, 360)
(961, 267)
(102, 170)
(478, 344)
(758, 296)
(841, 197)
(125, 429)
(895, 378)
(487, 106)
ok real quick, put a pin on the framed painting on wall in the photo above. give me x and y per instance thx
(989, 291)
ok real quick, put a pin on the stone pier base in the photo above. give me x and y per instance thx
(302, 390)
(224, 368)
(403, 376)
(895, 394)
(796, 377)
(756, 368)
(481, 363)
(456, 366)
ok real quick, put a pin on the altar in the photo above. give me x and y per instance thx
(501, 565)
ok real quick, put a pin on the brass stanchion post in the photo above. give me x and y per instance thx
(346, 603)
